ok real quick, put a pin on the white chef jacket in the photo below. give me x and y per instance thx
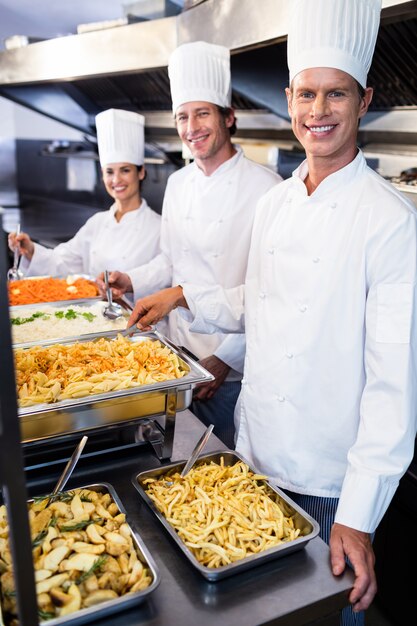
(328, 402)
(102, 243)
(205, 237)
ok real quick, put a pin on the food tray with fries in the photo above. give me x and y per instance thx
(98, 380)
(36, 289)
(88, 560)
(52, 321)
(224, 516)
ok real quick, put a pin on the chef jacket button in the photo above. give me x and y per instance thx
(288, 200)
(271, 250)
(243, 382)
(281, 398)
(333, 205)
(316, 259)
(303, 308)
(289, 355)
(215, 255)
(220, 221)
(185, 250)
(262, 295)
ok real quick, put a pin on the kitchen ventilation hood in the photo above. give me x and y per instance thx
(71, 79)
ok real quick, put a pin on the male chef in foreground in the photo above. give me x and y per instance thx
(207, 218)
(328, 401)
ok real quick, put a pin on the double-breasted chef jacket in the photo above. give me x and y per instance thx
(328, 403)
(205, 237)
(102, 243)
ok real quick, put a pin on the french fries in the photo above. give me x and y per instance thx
(80, 557)
(66, 371)
(222, 514)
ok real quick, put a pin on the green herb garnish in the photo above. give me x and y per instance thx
(62, 496)
(44, 615)
(95, 566)
(80, 525)
(41, 536)
(18, 321)
(70, 314)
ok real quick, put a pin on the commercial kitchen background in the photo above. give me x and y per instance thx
(49, 173)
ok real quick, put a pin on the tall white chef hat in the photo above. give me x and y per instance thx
(200, 71)
(120, 137)
(333, 33)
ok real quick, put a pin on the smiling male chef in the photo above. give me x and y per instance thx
(207, 219)
(328, 402)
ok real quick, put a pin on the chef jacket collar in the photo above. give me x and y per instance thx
(113, 210)
(224, 167)
(333, 182)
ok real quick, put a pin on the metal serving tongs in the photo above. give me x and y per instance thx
(69, 468)
(196, 452)
(112, 311)
(14, 273)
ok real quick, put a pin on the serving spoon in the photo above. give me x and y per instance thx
(69, 468)
(112, 311)
(14, 273)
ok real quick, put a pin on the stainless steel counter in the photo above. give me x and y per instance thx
(294, 590)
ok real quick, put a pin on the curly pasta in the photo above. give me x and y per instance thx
(65, 371)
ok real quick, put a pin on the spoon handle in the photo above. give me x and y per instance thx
(108, 289)
(70, 466)
(200, 445)
(16, 251)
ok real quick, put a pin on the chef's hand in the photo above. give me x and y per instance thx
(23, 242)
(219, 369)
(119, 282)
(153, 308)
(357, 547)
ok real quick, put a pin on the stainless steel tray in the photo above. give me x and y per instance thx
(123, 602)
(95, 411)
(22, 310)
(308, 526)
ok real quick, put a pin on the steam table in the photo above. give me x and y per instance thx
(291, 591)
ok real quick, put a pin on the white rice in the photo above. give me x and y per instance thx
(52, 327)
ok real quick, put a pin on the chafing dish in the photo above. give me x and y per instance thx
(104, 609)
(117, 407)
(309, 528)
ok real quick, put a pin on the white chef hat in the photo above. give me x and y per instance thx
(120, 137)
(333, 33)
(200, 71)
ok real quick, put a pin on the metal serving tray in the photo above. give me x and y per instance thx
(95, 411)
(308, 526)
(123, 602)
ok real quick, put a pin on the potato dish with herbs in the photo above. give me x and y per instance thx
(83, 554)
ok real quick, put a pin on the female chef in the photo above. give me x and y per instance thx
(123, 237)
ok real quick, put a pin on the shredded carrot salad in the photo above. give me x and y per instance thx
(34, 290)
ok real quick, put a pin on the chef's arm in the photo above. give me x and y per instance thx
(152, 309)
(232, 351)
(151, 277)
(384, 444)
(222, 306)
(65, 258)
